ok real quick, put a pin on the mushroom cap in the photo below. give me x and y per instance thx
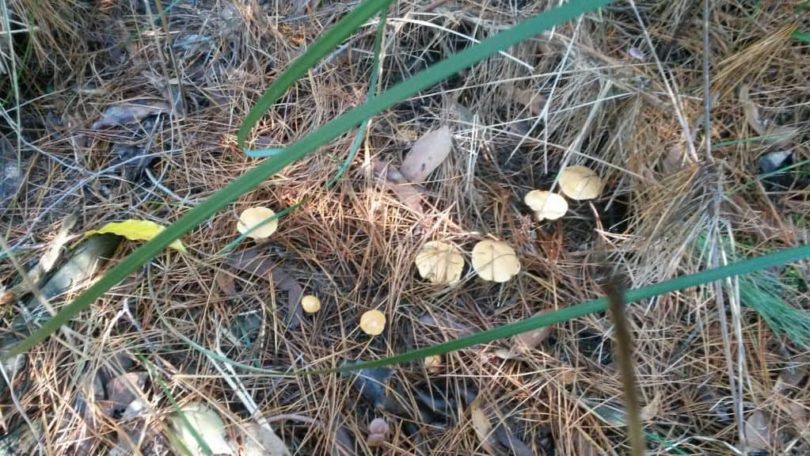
(372, 322)
(495, 261)
(440, 262)
(433, 363)
(546, 205)
(580, 183)
(310, 304)
(253, 216)
(378, 426)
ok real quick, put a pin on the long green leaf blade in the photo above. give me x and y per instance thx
(589, 307)
(301, 65)
(323, 135)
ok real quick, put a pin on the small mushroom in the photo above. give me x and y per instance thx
(378, 431)
(372, 322)
(495, 261)
(580, 183)
(440, 262)
(546, 205)
(254, 216)
(310, 304)
(433, 363)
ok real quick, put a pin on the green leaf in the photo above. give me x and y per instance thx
(323, 135)
(589, 307)
(804, 37)
(327, 42)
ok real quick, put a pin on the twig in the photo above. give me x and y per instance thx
(707, 98)
(624, 355)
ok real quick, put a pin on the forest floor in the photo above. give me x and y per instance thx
(115, 110)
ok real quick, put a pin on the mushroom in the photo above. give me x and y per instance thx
(433, 363)
(440, 262)
(495, 261)
(580, 183)
(254, 216)
(310, 304)
(372, 322)
(378, 431)
(546, 205)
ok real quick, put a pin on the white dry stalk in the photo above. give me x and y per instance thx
(472, 157)
(544, 114)
(714, 260)
(733, 288)
(573, 147)
(676, 104)
(12, 70)
(232, 379)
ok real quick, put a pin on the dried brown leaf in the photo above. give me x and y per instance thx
(408, 194)
(257, 261)
(773, 133)
(127, 113)
(124, 389)
(758, 433)
(426, 154)
(508, 440)
(482, 425)
(262, 441)
(530, 99)
(525, 342)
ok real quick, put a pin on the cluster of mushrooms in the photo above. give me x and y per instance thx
(441, 262)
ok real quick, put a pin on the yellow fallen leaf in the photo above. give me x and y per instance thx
(136, 230)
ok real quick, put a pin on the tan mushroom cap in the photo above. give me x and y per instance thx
(546, 205)
(433, 363)
(495, 261)
(310, 304)
(372, 322)
(580, 183)
(440, 262)
(253, 216)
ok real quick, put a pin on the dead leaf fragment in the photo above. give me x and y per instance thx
(258, 262)
(495, 261)
(124, 389)
(580, 183)
(136, 230)
(440, 263)
(197, 418)
(758, 434)
(528, 341)
(262, 441)
(771, 133)
(127, 113)
(426, 154)
(482, 425)
(530, 99)
(408, 194)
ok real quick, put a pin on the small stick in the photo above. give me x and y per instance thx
(624, 354)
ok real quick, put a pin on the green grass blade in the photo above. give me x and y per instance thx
(345, 27)
(323, 135)
(804, 37)
(597, 305)
(372, 91)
